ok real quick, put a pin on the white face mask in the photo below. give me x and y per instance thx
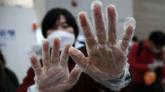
(65, 38)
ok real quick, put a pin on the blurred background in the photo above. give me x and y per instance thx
(20, 24)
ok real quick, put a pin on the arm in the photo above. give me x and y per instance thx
(54, 75)
(107, 57)
(118, 84)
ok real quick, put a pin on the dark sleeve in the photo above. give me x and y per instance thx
(12, 77)
(11, 80)
(27, 82)
(3, 82)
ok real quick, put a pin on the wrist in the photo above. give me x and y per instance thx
(52, 89)
(120, 74)
(118, 83)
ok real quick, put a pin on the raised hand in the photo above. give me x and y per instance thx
(54, 75)
(107, 57)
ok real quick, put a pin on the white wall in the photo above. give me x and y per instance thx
(24, 3)
(16, 47)
(150, 16)
(40, 8)
(125, 8)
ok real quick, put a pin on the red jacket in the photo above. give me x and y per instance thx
(85, 83)
(139, 62)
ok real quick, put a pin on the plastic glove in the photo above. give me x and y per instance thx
(106, 56)
(54, 76)
(156, 64)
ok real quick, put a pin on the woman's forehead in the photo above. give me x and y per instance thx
(62, 19)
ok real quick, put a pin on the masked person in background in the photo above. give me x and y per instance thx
(147, 64)
(102, 68)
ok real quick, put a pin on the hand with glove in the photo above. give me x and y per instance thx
(107, 57)
(54, 75)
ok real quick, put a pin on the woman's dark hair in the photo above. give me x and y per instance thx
(53, 16)
(158, 38)
(134, 38)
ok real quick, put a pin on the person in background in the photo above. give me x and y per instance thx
(8, 80)
(67, 69)
(145, 60)
(163, 82)
(134, 40)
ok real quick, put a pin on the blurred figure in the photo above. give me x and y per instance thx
(163, 82)
(146, 63)
(8, 80)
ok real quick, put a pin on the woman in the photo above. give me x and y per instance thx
(55, 76)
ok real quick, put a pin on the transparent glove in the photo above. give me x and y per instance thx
(54, 76)
(156, 64)
(106, 56)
